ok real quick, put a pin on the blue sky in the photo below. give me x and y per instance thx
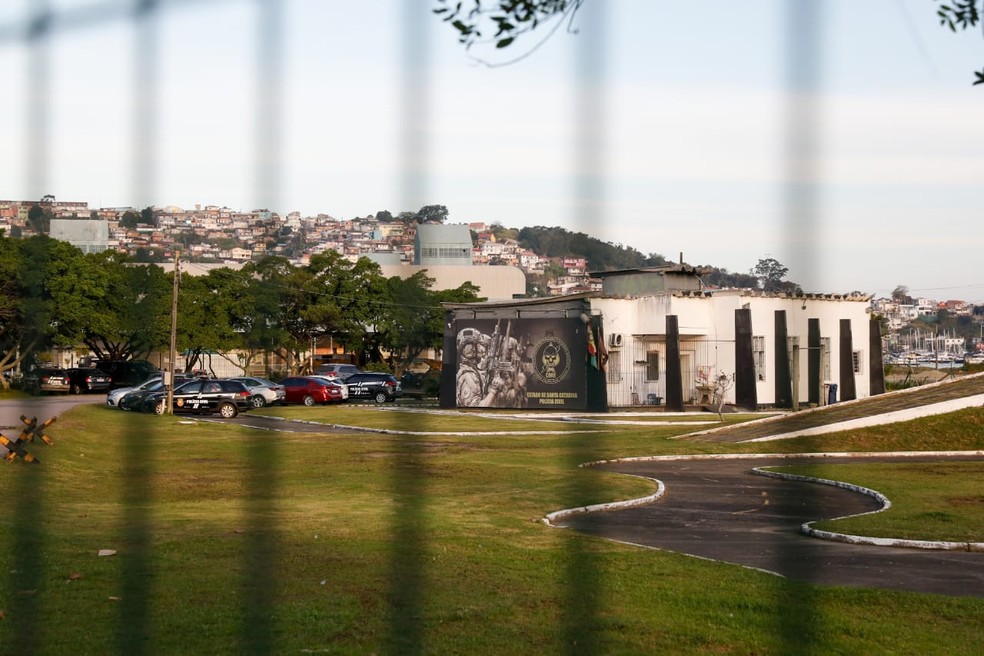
(693, 154)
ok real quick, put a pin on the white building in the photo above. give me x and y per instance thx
(89, 235)
(653, 336)
(636, 335)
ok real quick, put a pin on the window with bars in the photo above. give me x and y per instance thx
(825, 357)
(857, 360)
(758, 356)
(652, 366)
(614, 367)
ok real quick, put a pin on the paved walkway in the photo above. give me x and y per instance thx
(718, 509)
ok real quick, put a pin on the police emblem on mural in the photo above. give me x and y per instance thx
(552, 360)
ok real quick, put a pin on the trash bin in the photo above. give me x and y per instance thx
(832, 394)
(653, 399)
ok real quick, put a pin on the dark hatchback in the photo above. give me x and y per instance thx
(202, 396)
(82, 380)
(379, 387)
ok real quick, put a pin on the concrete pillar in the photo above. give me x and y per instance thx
(876, 368)
(746, 396)
(674, 374)
(847, 391)
(813, 361)
(783, 384)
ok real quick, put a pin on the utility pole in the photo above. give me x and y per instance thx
(173, 355)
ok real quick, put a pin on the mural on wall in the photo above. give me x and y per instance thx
(520, 363)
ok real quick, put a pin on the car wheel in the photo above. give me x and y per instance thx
(309, 400)
(381, 397)
(75, 388)
(160, 407)
(258, 401)
(228, 410)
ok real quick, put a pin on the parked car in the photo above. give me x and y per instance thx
(82, 380)
(203, 396)
(265, 392)
(310, 390)
(46, 379)
(134, 397)
(336, 384)
(335, 370)
(133, 400)
(379, 387)
(153, 384)
(127, 373)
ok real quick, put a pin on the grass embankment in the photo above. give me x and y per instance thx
(231, 540)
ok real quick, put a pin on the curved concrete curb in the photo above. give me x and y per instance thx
(601, 507)
(807, 528)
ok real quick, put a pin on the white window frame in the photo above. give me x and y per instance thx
(652, 366)
(758, 356)
(614, 366)
(825, 357)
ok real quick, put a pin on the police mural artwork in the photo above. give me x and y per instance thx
(520, 363)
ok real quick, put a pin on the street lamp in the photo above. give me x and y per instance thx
(172, 354)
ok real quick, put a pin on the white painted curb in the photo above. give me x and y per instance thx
(807, 528)
(602, 507)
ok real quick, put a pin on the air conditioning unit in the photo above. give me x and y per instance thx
(615, 340)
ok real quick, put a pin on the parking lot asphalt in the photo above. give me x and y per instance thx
(718, 509)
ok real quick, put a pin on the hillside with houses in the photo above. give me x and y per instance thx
(555, 261)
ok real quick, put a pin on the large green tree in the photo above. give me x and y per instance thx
(771, 276)
(48, 291)
(413, 319)
(133, 317)
(432, 213)
(328, 296)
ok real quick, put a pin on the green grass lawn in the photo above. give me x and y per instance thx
(231, 540)
(930, 501)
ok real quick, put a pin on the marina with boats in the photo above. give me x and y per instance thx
(920, 348)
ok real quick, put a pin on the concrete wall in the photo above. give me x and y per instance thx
(707, 333)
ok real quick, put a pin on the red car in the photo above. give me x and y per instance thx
(311, 391)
